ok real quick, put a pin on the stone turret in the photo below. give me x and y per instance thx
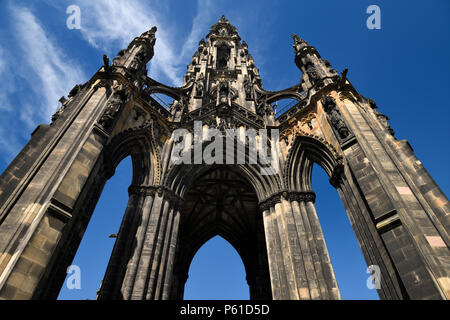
(222, 70)
(139, 52)
(317, 72)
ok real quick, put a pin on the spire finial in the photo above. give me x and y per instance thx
(299, 43)
(223, 19)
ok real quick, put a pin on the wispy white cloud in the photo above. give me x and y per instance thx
(6, 86)
(9, 144)
(200, 25)
(52, 73)
(108, 24)
(36, 74)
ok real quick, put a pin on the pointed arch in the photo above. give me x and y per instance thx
(179, 177)
(139, 143)
(215, 274)
(304, 152)
(222, 202)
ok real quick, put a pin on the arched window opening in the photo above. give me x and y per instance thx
(283, 105)
(95, 249)
(216, 273)
(162, 99)
(223, 55)
(345, 254)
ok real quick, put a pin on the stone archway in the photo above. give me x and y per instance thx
(222, 202)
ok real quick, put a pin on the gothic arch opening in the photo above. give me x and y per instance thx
(98, 240)
(223, 55)
(307, 151)
(282, 105)
(164, 100)
(315, 166)
(345, 254)
(216, 272)
(221, 202)
(134, 145)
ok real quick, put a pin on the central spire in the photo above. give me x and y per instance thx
(222, 75)
(223, 28)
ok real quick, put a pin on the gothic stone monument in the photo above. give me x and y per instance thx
(49, 191)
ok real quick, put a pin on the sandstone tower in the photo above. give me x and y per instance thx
(49, 191)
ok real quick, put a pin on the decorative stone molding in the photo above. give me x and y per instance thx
(161, 191)
(295, 130)
(119, 98)
(132, 134)
(305, 196)
(337, 175)
(335, 118)
(65, 103)
(382, 118)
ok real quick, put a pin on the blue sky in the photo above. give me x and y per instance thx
(404, 67)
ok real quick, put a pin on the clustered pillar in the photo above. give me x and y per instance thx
(148, 250)
(299, 262)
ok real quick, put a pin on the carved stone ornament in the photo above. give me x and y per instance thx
(60, 109)
(335, 117)
(248, 86)
(199, 85)
(312, 73)
(299, 44)
(161, 191)
(65, 102)
(299, 196)
(382, 118)
(115, 102)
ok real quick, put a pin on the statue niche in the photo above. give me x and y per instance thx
(199, 85)
(223, 92)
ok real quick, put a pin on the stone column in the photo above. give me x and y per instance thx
(258, 275)
(135, 216)
(299, 263)
(151, 250)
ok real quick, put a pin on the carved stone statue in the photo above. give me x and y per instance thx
(58, 112)
(118, 98)
(199, 85)
(138, 61)
(106, 63)
(335, 117)
(223, 32)
(201, 47)
(312, 73)
(248, 86)
(223, 92)
(384, 122)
